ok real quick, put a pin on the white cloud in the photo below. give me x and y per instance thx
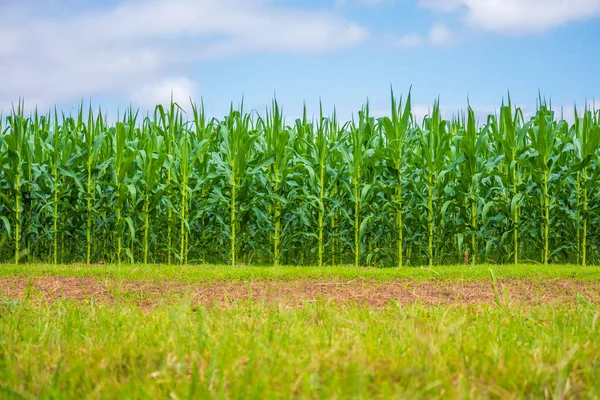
(410, 41)
(518, 16)
(441, 5)
(342, 3)
(375, 2)
(181, 89)
(142, 44)
(439, 35)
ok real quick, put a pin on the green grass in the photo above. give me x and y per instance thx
(198, 273)
(250, 350)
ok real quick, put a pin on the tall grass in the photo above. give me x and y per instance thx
(173, 187)
(83, 349)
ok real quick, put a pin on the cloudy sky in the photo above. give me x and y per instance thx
(121, 52)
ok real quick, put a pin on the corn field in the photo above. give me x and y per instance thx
(176, 187)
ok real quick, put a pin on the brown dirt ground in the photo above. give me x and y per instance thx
(296, 293)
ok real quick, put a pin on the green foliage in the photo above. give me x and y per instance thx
(193, 274)
(87, 349)
(252, 189)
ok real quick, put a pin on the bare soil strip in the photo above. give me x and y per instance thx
(296, 293)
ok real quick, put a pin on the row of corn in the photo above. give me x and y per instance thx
(179, 187)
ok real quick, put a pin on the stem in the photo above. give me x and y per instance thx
(187, 233)
(30, 254)
(17, 216)
(146, 225)
(333, 239)
(105, 237)
(89, 212)
(277, 222)
(183, 194)
(55, 216)
(430, 218)
(546, 218)
(584, 244)
(399, 227)
(578, 238)
(474, 228)
(515, 217)
(356, 227)
(132, 246)
(232, 215)
(62, 247)
(29, 224)
(187, 242)
(321, 212)
(119, 235)
(169, 224)
(203, 251)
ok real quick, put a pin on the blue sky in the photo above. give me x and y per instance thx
(118, 52)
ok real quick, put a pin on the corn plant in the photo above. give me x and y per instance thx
(249, 188)
(587, 143)
(236, 144)
(397, 130)
(541, 160)
(434, 149)
(276, 137)
(15, 139)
